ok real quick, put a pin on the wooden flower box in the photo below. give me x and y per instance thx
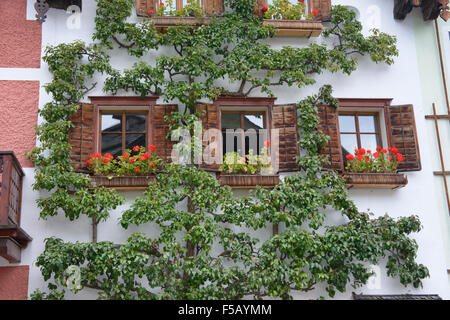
(123, 182)
(248, 181)
(375, 180)
(295, 28)
(286, 28)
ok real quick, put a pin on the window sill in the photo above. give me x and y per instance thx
(286, 28)
(248, 181)
(12, 240)
(375, 180)
(123, 182)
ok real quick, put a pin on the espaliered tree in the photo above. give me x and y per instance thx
(199, 254)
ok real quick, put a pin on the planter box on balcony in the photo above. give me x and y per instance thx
(286, 28)
(375, 180)
(123, 182)
(247, 181)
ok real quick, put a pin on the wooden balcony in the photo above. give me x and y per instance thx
(12, 237)
(375, 180)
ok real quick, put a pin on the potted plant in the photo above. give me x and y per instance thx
(134, 169)
(367, 169)
(248, 171)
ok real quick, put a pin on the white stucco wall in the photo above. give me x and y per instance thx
(400, 82)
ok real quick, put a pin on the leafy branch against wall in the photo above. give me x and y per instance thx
(199, 252)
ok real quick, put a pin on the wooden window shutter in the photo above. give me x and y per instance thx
(144, 6)
(160, 130)
(329, 125)
(213, 7)
(259, 4)
(81, 136)
(284, 118)
(404, 136)
(210, 120)
(323, 7)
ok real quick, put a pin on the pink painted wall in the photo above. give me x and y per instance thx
(20, 40)
(19, 102)
(14, 283)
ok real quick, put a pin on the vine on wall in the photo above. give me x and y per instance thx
(198, 253)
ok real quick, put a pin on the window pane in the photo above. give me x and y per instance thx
(112, 143)
(369, 141)
(349, 143)
(253, 121)
(367, 123)
(133, 140)
(112, 122)
(347, 123)
(136, 122)
(231, 120)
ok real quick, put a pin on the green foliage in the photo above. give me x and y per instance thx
(205, 248)
(250, 164)
(286, 10)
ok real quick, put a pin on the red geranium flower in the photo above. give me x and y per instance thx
(137, 170)
(108, 155)
(132, 160)
(376, 154)
(368, 151)
(301, 1)
(383, 150)
(152, 148)
(350, 157)
(136, 148)
(147, 156)
(88, 162)
(142, 158)
(315, 12)
(98, 155)
(378, 148)
(126, 156)
(362, 151)
(152, 164)
(150, 12)
(267, 143)
(390, 157)
(360, 157)
(264, 9)
(367, 159)
(105, 160)
(394, 150)
(92, 156)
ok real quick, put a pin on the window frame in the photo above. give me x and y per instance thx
(121, 104)
(123, 131)
(358, 132)
(242, 114)
(247, 104)
(366, 105)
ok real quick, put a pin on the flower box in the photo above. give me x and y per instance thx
(375, 180)
(286, 28)
(295, 28)
(123, 182)
(248, 181)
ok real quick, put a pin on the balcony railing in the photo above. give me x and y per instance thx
(12, 237)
